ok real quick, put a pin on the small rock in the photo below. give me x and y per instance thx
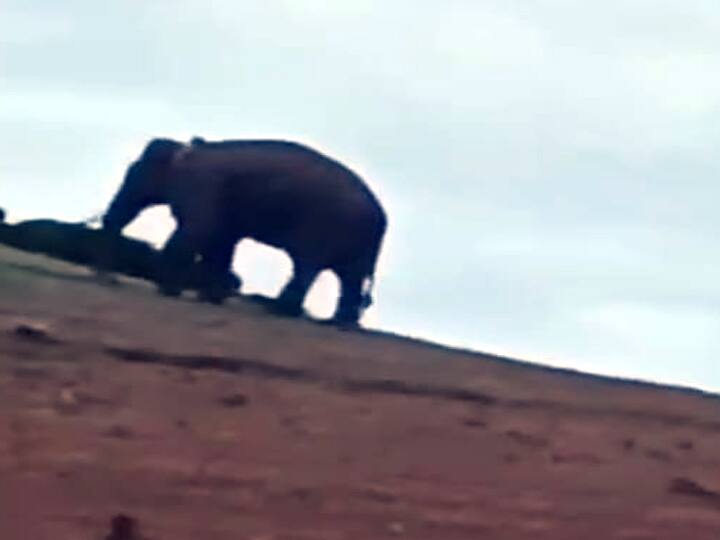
(576, 457)
(301, 493)
(685, 445)
(67, 402)
(687, 486)
(628, 444)
(188, 377)
(527, 439)
(123, 527)
(396, 528)
(35, 333)
(119, 432)
(234, 400)
(658, 455)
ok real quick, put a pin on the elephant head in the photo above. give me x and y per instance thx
(145, 184)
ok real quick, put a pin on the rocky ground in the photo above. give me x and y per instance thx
(204, 423)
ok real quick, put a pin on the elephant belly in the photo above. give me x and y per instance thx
(318, 238)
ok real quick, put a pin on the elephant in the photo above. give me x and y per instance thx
(280, 193)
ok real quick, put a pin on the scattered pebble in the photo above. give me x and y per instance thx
(34, 332)
(119, 432)
(67, 402)
(234, 400)
(685, 445)
(527, 439)
(188, 377)
(628, 444)
(576, 457)
(123, 527)
(687, 486)
(658, 455)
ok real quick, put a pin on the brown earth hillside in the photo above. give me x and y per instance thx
(206, 423)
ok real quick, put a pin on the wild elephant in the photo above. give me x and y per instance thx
(279, 193)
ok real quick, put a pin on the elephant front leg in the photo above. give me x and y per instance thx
(291, 299)
(219, 281)
(175, 265)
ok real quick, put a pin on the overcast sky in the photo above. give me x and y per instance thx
(549, 167)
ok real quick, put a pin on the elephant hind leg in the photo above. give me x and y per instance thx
(351, 301)
(291, 299)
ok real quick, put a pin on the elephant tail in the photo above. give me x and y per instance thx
(370, 264)
(368, 286)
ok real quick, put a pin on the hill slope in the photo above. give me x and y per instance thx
(227, 423)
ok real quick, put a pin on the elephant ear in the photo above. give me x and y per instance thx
(161, 151)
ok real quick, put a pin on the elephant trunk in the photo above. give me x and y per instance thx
(138, 192)
(118, 216)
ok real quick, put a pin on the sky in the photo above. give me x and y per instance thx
(549, 167)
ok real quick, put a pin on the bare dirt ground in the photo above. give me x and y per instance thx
(207, 423)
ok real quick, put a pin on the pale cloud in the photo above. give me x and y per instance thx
(91, 110)
(680, 83)
(23, 28)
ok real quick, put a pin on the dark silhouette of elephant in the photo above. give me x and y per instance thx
(279, 193)
(79, 244)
